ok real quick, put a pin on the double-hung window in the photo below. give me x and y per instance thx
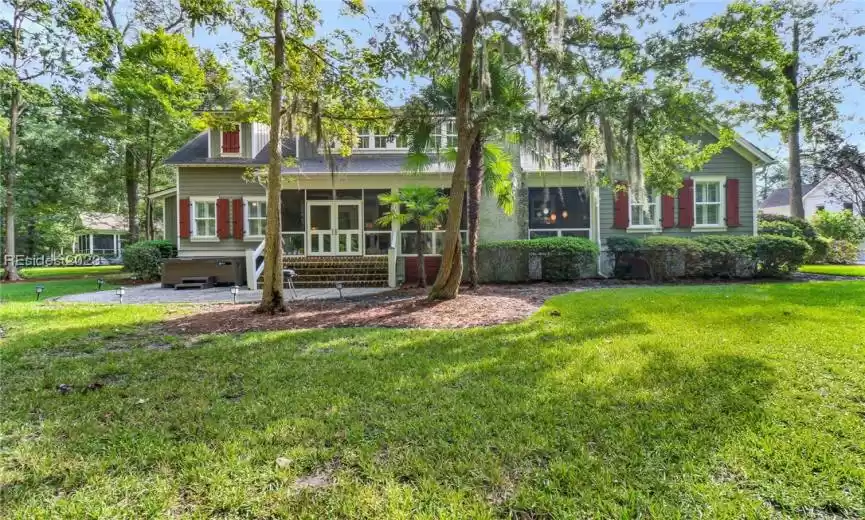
(709, 202)
(204, 218)
(256, 217)
(450, 133)
(644, 216)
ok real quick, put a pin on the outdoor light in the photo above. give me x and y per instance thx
(39, 289)
(546, 211)
(553, 217)
(339, 288)
(99, 283)
(120, 292)
(565, 214)
(234, 290)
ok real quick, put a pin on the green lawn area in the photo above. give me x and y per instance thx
(65, 272)
(839, 270)
(26, 291)
(721, 401)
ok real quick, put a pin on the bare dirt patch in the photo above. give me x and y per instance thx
(404, 308)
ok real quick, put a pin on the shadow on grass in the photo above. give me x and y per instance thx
(528, 419)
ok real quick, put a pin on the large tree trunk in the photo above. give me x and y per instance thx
(475, 168)
(11, 167)
(421, 268)
(797, 208)
(450, 273)
(273, 295)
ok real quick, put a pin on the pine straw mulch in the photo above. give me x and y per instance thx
(405, 308)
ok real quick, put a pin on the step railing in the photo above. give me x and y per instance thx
(253, 271)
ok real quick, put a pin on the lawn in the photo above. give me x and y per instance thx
(26, 291)
(838, 270)
(722, 401)
(68, 272)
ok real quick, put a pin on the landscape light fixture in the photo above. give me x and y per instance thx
(339, 288)
(234, 290)
(99, 283)
(39, 289)
(120, 292)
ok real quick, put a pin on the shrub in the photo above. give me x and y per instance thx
(780, 228)
(819, 250)
(840, 225)
(143, 259)
(560, 258)
(778, 255)
(807, 229)
(728, 256)
(626, 256)
(841, 252)
(671, 257)
(166, 248)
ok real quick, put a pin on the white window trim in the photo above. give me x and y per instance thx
(192, 235)
(722, 211)
(645, 228)
(390, 143)
(437, 234)
(240, 136)
(246, 201)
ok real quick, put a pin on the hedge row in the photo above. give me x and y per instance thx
(721, 256)
(838, 243)
(550, 259)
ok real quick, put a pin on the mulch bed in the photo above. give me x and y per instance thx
(409, 308)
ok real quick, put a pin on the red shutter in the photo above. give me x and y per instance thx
(620, 206)
(668, 210)
(185, 230)
(686, 203)
(237, 218)
(231, 141)
(223, 219)
(733, 202)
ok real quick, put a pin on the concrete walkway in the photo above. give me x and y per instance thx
(154, 293)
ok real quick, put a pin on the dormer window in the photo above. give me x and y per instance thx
(231, 141)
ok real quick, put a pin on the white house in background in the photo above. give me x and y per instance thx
(100, 234)
(828, 194)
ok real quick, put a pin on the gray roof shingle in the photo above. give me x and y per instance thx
(195, 152)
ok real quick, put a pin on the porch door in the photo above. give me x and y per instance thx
(334, 227)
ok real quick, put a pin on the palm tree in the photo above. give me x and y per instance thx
(419, 205)
(505, 103)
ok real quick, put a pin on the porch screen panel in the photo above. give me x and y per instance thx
(103, 243)
(558, 208)
(293, 208)
(377, 238)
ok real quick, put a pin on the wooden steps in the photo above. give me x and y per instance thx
(326, 272)
(200, 282)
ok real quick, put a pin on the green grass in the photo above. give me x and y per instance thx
(65, 272)
(725, 401)
(26, 291)
(838, 270)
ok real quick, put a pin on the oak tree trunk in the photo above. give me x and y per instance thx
(447, 282)
(273, 294)
(11, 167)
(421, 268)
(797, 208)
(475, 169)
(130, 174)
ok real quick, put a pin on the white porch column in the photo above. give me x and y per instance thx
(91, 244)
(393, 251)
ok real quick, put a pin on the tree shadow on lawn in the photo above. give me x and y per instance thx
(531, 419)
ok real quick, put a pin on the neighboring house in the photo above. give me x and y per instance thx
(100, 234)
(828, 194)
(214, 211)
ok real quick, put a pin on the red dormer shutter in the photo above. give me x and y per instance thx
(231, 141)
(733, 203)
(686, 203)
(620, 206)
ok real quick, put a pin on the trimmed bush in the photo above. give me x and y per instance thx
(781, 228)
(728, 256)
(626, 257)
(841, 252)
(166, 248)
(144, 260)
(807, 229)
(819, 250)
(779, 256)
(559, 258)
(671, 257)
